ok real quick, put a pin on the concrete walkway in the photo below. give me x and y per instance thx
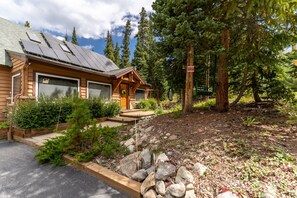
(21, 176)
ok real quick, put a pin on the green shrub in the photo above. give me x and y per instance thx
(149, 104)
(4, 125)
(81, 140)
(111, 109)
(96, 107)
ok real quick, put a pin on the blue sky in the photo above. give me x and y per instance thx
(91, 18)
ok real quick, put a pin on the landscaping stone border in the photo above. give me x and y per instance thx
(122, 183)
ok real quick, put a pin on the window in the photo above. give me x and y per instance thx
(33, 37)
(99, 90)
(55, 86)
(139, 94)
(64, 48)
(15, 86)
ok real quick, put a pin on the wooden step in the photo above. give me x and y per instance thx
(123, 119)
(138, 114)
(130, 110)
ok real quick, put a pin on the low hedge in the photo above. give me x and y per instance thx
(47, 112)
(149, 104)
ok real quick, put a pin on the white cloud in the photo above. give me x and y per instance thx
(92, 18)
(89, 47)
(59, 37)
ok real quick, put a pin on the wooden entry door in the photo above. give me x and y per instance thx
(124, 92)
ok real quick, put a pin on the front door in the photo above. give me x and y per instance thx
(124, 92)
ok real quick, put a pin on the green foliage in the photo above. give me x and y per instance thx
(4, 125)
(149, 104)
(249, 121)
(82, 140)
(206, 104)
(108, 50)
(291, 111)
(125, 60)
(116, 54)
(27, 24)
(159, 111)
(47, 112)
(66, 38)
(74, 39)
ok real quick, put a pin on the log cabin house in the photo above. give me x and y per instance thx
(34, 64)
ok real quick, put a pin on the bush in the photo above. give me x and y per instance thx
(150, 104)
(47, 112)
(81, 140)
(4, 125)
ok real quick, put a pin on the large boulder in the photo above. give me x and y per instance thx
(130, 164)
(165, 170)
(184, 176)
(176, 190)
(146, 159)
(148, 183)
(140, 175)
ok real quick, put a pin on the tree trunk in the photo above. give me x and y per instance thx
(222, 100)
(255, 88)
(242, 88)
(188, 107)
(182, 98)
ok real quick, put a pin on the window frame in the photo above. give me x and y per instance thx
(54, 76)
(144, 94)
(12, 84)
(99, 83)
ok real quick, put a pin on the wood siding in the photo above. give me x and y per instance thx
(5, 86)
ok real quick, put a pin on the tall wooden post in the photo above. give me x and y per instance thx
(222, 100)
(188, 107)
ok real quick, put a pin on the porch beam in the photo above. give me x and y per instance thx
(116, 84)
(135, 87)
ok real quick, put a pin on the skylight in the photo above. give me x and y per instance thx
(33, 37)
(64, 48)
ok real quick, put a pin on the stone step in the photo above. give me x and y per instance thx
(121, 119)
(138, 114)
(111, 124)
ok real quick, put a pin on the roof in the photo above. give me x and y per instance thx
(16, 38)
(10, 35)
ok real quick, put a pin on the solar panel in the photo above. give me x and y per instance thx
(48, 52)
(31, 47)
(62, 56)
(33, 37)
(53, 42)
(85, 56)
(91, 59)
(64, 48)
(73, 59)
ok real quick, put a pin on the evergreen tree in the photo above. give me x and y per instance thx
(144, 37)
(108, 50)
(125, 59)
(66, 38)
(116, 54)
(27, 24)
(74, 39)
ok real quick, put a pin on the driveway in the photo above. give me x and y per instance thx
(21, 176)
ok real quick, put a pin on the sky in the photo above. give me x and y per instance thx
(91, 18)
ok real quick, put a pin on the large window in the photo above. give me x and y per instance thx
(99, 90)
(55, 86)
(15, 86)
(139, 94)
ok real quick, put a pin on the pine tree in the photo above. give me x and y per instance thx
(74, 39)
(27, 24)
(116, 54)
(108, 50)
(66, 38)
(125, 59)
(143, 36)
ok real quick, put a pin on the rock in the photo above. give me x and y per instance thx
(129, 142)
(150, 169)
(160, 196)
(167, 134)
(176, 190)
(160, 188)
(165, 170)
(200, 168)
(172, 137)
(227, 194)
(140, 175)
(168, 195)
(170, 153)
(153, 140)
(130, 164)
(149, 129)
(146, 159)
(190, 187)
(148, 183)
(190, 194)
(131, 148)
(162, 158)
(150, 194)
(270, 192)
(142, 140)
(184, 176)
